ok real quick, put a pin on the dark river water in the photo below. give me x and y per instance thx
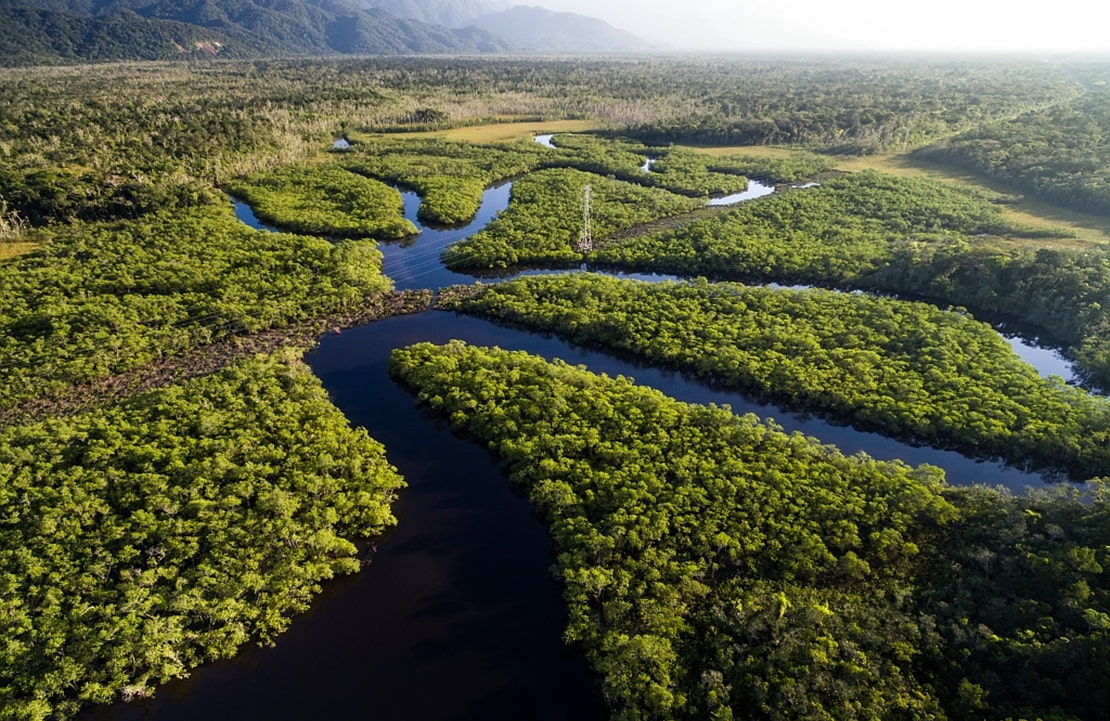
(456, 617)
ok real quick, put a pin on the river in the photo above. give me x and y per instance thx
(456, 617)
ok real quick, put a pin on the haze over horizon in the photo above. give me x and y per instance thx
(941, 25)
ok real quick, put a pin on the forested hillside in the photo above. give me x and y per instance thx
(30, 36)
(41, 31)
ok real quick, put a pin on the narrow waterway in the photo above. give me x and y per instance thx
(415, 263)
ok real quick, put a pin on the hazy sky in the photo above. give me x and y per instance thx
(987, 25)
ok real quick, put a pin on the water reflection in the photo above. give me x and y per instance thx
(755, 190)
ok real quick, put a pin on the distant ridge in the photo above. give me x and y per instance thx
(450, 13)
(540, 30)
(30, 37)
(66, 31)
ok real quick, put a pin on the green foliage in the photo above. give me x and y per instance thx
(839, 231)
(716, 568)
(324, 199)
(99, 143)
(51, 195)
(1061, 154)
(850, 106)
(1018, 599)
(544, 219)
(1064, 292)
(783, 581)
(903, 235)
(907, 369)
(449, 176)
(664, 514)
(213, 121)
(678, 170)
(140, 541)
(102, 299)
(792, 168)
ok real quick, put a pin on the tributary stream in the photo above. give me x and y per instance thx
(455, 615)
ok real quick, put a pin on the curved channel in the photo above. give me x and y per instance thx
(416, 262)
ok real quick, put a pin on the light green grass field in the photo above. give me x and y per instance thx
(501, 132)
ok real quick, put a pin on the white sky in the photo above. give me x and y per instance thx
(962, 25)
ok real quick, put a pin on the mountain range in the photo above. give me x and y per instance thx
(68, 31)
(541, 30)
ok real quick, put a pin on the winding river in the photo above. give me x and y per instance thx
(456, 617)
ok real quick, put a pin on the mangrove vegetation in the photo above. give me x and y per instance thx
(139, 541)
(910, 236)
(907, 369)
(717, 568)
(713, 567)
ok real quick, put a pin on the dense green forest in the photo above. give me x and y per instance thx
(93, 137)
(1061, 153)
(544, 220)
(677, 170)
(139, 541)
(853, 108)
(908, 369)
(904, 235)
(450, 176)
(713, 566)
(104, 298)
(718, 568)
(326, 200)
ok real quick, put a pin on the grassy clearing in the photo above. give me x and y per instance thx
(499, 132)
(766, 151)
